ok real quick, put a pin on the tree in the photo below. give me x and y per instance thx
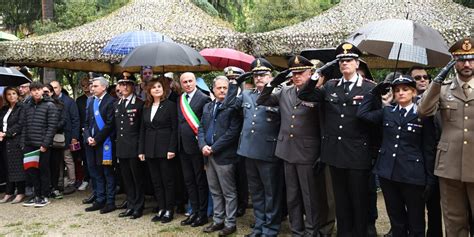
(19, 15)
(47, 8)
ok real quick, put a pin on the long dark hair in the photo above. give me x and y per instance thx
(54, 97)
(164, 84)
(10, 88)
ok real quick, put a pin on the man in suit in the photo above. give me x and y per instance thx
(98, 132)
(190, 108)
(80, 157)
(218, 136)
(298, 145)
(257, 144)
(346, 140)
(71, 133)
(454, 164)
(128, 112)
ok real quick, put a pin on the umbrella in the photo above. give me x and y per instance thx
(12, 77)
(202, 84)
(403, 40)
(7, 37)
(124, 43)
(224, 57)
(166, 57)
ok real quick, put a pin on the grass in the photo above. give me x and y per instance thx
(74, 226)
(14, 224)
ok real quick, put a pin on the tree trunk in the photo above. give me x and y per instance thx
(47, 9)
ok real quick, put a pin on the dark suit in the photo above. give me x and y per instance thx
(345, 147)
(405, 164)
(220, 128)
(257, 144)
(192, 161)
(128, 120)
(299, 146)
(102, 175)
(158, 136)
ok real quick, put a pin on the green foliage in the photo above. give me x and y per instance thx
(466, 3)
(206, 6)
(19, 14)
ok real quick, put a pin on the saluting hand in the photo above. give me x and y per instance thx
(444, 72)
(243, 77)
(280, 78)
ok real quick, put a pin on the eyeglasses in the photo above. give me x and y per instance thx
(419, 77)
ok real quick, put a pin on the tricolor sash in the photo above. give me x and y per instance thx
(107, 146)
(189, 114)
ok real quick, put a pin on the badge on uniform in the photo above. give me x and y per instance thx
(334, 94)
(131, 110)
(450, 97)
(307, 104)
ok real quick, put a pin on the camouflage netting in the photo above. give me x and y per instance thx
(78, 47)
(331, 27)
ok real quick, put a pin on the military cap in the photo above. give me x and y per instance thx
(463, 49)
(347, 50)
(232, 71)
(127, 77)
(299, 63)
(261, 66)
(404, 80)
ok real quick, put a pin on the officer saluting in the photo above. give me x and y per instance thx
(257, 144)
(298, 144)
(346, 139)
(128, 111)
(454, 160)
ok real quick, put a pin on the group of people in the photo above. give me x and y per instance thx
(300, 145)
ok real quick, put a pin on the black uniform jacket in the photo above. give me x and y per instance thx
(127, 122)
(346, 139)
(159, 136)
(408, 145)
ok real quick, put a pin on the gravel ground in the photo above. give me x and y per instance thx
(67, 217)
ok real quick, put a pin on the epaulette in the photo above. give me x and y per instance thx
(447, 82)
(373, 82)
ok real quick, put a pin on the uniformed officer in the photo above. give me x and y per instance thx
(346, 139)
(298, 145)
(128, 111)
(232, 73)
(406, 158)
(257, 144)
(454, 161)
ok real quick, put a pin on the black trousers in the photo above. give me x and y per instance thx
(433, 206)
(40, 177)
(56, 159)
(20, 186)
(133, 181)
(241, 184)
(196, 182)
(373, 213)
(350, 188)
(161, 170)
(406, 207)
(180, 187)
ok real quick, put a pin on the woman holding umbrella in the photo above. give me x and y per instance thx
(10, 115)
(406, 160)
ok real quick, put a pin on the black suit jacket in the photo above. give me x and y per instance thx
(127, 122)
(106, 110)
(227, 129)
(186, 138)
(159, 136)
(81, 103)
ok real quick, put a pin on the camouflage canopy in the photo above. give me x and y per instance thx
(79, 48)
(331, 27)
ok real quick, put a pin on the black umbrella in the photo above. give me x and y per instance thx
(166, 57)
(12, 77)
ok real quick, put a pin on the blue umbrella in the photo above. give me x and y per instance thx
(124, 43)
(202, 84)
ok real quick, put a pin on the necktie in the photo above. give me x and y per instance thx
(187, 97)
(124, 103)
(465, 89)
(347, 86)
(210, 130)
(403, 111)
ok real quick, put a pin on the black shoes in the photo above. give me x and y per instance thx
(136, 215)
(89, 200)
(200, 221)
(126, 213)
(213, 227)
(240, 211)
(189, 220)
(167, 217)
(227, 231)
(160, 215)
(123, 205)
(108, 208)
(95, 207)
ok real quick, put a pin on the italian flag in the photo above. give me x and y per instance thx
(31, 159)
(188, 114)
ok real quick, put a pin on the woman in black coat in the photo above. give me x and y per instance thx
(158, 145)
(405, 163)
(10, 138)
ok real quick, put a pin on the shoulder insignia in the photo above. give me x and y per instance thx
(370, 81)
